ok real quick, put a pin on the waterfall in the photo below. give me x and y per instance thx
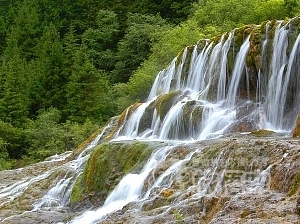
(282, 69)
(59, 195)
(231, 84)
(219, 88)
(238, 70)
(128, 190)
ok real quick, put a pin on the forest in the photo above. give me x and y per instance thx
(67, 66)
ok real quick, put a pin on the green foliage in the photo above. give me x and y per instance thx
(100, 41)
(4, 157)
(88, 91)
(225, 15)
(176, 10)
(14, 102)
(45, 136)
(178, 216)
(292, 7)
(12, 141)
(75, 133)
(49, 81)
(169, 43)
(142, 32)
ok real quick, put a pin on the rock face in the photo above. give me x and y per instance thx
(236, 180)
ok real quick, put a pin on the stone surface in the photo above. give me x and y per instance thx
(239, 192)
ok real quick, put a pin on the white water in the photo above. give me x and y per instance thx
(59, 195)
(211, 91)
(128, 190)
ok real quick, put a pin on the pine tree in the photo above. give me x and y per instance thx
(50, 81)
(14, 102)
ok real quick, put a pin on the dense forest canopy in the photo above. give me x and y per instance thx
(68, 66)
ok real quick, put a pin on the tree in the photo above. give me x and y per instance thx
(136, 45)
(4, 159)
(101, 42)
(14, 102)
(88, 91)
(292, 7)
(170, 42)
(25, 27)
(49, 84)
(45, 135)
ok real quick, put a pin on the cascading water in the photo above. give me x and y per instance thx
(128, 190)
(211, 89)
(59, 195)
(207, 100)
(219, 88)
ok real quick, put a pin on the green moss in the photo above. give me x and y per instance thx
(201, 44)
(165, 102)
(254, 51)
(107, 165)
(77, 191)
(295, 187)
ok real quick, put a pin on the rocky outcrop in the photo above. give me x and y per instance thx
(250, 181)
(238, 179)
(108, 163)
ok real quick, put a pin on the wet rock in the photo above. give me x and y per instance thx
(296, 131)
(298, 206)
(241, 179)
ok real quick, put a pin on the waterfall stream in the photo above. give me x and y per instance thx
(220, 110)
(208, 91)
(218, 94)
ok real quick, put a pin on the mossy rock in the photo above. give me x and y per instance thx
(192, 115)
(240, 34)
(165, 102)
(295, 186)
(108, 163)
(263, 133)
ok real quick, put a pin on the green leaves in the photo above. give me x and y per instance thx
(136, 45)
(225, 15)
(45, 135)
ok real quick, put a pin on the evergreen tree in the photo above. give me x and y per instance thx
(14, 102)
(136, 45)
(101, 42)
(88, 91)
(50, 81)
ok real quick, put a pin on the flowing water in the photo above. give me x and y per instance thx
(210, 98)
(56, 197)
(219, 95)
(208, 68)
